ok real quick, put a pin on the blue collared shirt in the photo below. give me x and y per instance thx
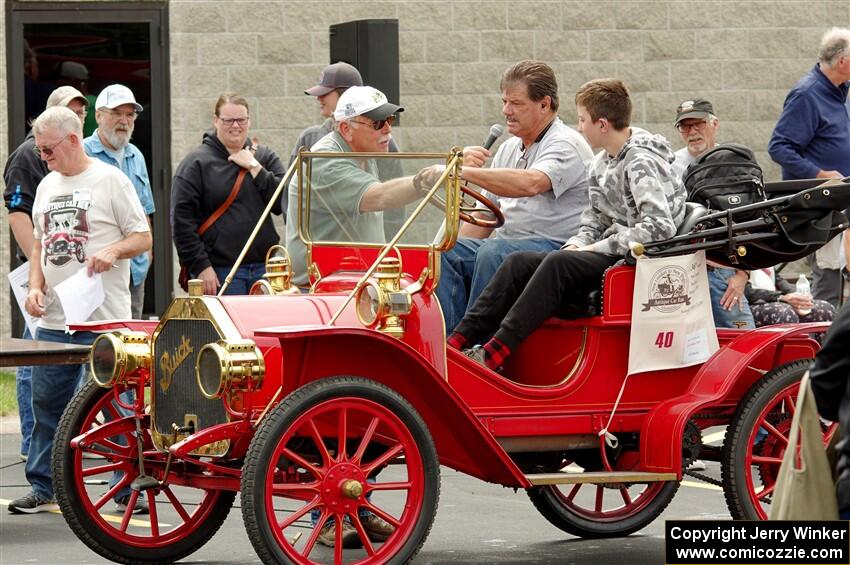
(813, 132)
(134, 167)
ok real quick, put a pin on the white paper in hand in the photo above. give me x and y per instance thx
(19, 279)
(80, 295)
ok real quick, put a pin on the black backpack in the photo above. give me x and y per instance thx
(726, 176)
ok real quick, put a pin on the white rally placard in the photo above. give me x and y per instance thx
(672, 323)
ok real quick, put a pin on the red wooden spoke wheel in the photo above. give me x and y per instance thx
(600, 511)
(86, 480)
(756, 440)
(331, 453)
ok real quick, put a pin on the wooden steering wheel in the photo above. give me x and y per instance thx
(494, 217)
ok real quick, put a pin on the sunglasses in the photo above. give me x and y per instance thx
(378, 124)
(48, 151)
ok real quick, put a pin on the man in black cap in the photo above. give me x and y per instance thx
(334, 80)
(698, 126)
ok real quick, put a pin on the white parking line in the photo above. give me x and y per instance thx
(716, 437)
(706, 486)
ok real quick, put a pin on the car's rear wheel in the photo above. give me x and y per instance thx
(319, 452)
(756, 440)
(602, 511)
(181, 518)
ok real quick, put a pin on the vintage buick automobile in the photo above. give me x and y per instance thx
(343, 397)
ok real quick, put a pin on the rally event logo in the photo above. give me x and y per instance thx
(66, 230)
(668, 290)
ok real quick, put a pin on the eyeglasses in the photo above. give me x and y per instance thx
(698, 126)
(48, 151)
(522, 163)
(378, 125)
(81, 114)
(119, 115)
(238, 121)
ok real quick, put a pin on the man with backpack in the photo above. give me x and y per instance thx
(698, 126)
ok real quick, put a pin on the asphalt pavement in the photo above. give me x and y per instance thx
(476, 523)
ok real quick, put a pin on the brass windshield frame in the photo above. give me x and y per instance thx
(446, 235)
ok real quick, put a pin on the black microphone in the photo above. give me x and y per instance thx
(496, 131)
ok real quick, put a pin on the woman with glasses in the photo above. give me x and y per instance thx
(218, 193)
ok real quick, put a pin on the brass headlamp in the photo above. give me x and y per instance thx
(382, 303)
(278, 276)
(229, 366)
(117, 357)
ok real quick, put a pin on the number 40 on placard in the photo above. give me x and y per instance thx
(664, 340)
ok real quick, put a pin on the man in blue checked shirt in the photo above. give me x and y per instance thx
(115, 111)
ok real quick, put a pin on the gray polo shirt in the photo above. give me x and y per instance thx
(563, 155)
(338, 186)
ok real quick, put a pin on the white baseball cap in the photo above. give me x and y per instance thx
(364, 101)
(115, 95)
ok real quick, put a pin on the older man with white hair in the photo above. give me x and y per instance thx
(812, 138)
(116, 110)
(86, 217)
(348, 197)
(24, 170)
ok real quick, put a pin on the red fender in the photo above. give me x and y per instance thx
(663, 427)
(124, 425)
(220, 432)
(315, 352)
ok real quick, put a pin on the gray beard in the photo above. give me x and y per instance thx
(118, 141)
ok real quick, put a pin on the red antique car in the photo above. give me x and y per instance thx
(345, 398)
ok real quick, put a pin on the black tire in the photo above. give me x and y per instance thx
(281, 430)
(105, 539)
(765, 401)
(554, 505)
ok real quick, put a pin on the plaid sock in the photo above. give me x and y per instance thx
(456, 340)
(495, 353)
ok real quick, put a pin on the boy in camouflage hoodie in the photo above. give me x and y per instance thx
(634, 196)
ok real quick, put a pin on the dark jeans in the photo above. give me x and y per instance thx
(529, 288)
(246, 275)
(23, 389)
(52, 389)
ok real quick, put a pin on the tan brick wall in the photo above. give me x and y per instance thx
(741, 55)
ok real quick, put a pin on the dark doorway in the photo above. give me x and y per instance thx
(90, 46)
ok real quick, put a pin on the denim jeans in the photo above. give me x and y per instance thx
(739, 316)
(52, 389)
(23, 390)
(246, 275)
(466, 269)
(128, 398)
(362, 513)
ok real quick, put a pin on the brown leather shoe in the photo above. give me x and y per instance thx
(350, 537)
(377, 528)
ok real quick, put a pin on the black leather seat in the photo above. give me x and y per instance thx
(694, 212)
